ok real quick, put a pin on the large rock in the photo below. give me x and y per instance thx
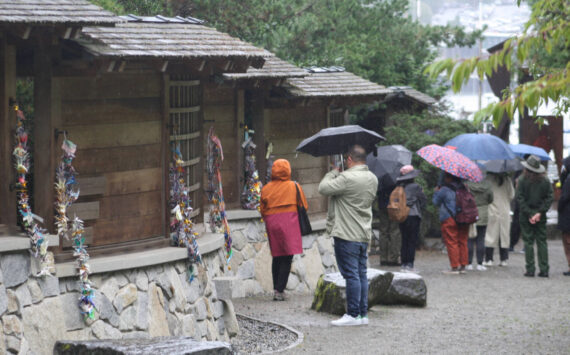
(159, 324)
(262, 268)
(169, 345)
(313, 266)
(44, 324)
(330, 294)
(19, 267)
(406, 288)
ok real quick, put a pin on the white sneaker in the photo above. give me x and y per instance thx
(481, 268)
(363, 320)
(469, 267)
(503, 263)
(346, 320)
(488, 263)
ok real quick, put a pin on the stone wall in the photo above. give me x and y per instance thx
(251, 261)
(137, 303)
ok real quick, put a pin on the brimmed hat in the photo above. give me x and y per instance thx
(407, 172)
(532, 163)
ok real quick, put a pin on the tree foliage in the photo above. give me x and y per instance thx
(374, 39)
(542, 51)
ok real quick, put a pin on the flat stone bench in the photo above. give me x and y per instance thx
(160, 345)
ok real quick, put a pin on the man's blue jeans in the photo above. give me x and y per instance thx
(351, 260)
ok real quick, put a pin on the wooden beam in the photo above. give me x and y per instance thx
(8, 202)
(45, 142)
(165, 155)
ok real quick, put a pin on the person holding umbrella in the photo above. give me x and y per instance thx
(564, 210)
(349, 222)
(410, 228)
(534, 195)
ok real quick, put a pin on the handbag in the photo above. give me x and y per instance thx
(304, 222)
(472, 231)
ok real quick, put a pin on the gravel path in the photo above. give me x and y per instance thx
(496, 311)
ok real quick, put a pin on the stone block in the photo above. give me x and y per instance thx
(2, 341)
(24, 296)
(327, 259)
(253, 232)
(122, 279)
(211, 331)
(142, 281)
(3, 300)
(12, 325)
(248, 252)
(49, 285)
(189, 325)
(125, 297)
(228, 287)
(239, 241)
(298, 268)
(230, 319)
(263, 275)
(128, 318)
(218, 309)
(13, 344)
(293, 282)
(13, 305)
(106, 310)
(252, 288)
(235, 261)
(159, 324)
(72, 315)
(102, 330)
(44, 323)
(200, 310)
(170, 345)
(142, 308)
(174, 325)
(15, 268)
(202, 328)
(313, 266)
(110, 287)
(246, 270)
(35, 291)
(192, 291)
(135, 335)
(308, 241)
(325, 244)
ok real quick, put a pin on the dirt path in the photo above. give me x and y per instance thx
(496, 311)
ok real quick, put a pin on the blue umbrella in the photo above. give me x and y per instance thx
(524, 149)
(481, 147)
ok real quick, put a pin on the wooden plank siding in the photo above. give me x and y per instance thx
(117, 123)
(286, 127)
(220, 111)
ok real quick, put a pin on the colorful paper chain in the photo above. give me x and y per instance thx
(66, 194)
(38, 241)
(217, 214)
(181, 226)
(252, 187)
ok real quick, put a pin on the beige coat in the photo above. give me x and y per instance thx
(499, 225)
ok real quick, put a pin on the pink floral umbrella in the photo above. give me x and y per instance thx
(451, 162)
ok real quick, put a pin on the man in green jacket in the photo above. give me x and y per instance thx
(534, 195)
(349, 221)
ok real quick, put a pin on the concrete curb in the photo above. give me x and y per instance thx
(300, 335)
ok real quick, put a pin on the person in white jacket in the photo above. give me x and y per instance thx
(498, 227)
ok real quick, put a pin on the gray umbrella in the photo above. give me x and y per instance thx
(387, 161)
(337, 140)
(501, 166)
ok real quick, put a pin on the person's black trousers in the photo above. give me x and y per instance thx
(280, 268)
(410, 230)
(479, 243)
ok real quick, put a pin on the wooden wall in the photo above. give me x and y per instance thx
(116, 121)
(286, 127)
(223, 109)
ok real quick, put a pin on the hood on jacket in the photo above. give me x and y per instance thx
(482, 186)
(281, 170)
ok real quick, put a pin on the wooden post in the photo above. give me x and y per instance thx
(8, 202)
(258, 122)
(165, 154)
(44, 135)
(240, 123)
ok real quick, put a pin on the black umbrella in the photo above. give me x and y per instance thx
(337, 140)
(387, 161)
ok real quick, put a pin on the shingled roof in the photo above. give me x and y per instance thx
(412, 94)
(49, 12)
(333, 81)
(272, 68)
(167, 38)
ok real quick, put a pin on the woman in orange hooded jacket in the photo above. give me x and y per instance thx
(278, 207)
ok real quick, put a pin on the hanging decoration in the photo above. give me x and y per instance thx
(270, 159)
(37, 234)
(252, 186)
(181, 226)
(67, 193)
(217, 213)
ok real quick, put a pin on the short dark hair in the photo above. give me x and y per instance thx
(357, 153)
